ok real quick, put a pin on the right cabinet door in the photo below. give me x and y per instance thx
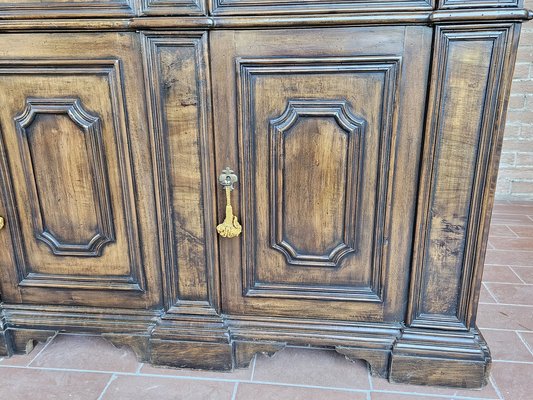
(323, 128)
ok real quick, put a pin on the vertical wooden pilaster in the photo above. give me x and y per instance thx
(471, 76)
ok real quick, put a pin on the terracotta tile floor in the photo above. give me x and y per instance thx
(87, 367)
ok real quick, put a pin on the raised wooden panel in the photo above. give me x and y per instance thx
(310, 191)
(463, 133)
(65, 8)
(37, 265)
(317, 145)
(302, 142)
(262, 7)
(180, 106)
(64, 167)
(73, 145)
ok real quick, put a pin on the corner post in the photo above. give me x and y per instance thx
(465, 119)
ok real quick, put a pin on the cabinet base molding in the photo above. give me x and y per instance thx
(6, 348)
(200, 339)
(80, 319)
(440, 358)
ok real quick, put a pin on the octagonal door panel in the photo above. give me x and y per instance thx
(324, 130)
(76, 190)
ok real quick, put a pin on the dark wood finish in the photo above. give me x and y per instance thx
(454, 4)
(366, 155)
(73, 135)
(245, 351)
(461, 154)
(6, 347)
(317, 142)
(169, 7)
(261, 7)
(180, 127)
(24, 340)
(452, 221)
(12, 9)
(267, 22)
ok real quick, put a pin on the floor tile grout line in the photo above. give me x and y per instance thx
(507, 330)
(509, 265)
(369, 375)
(496, 388)
(510, 283)
(522, 283)
(93, 371)
(511, 229)
(506, 304)
(180, 377)
(511, 250)
(176, 377)
(111, 379)
(506, 237)
(525, 343)
(234, 394)
(116, 374)
(139, 369)
(506, 223)
(50, 340)
(445, 396)
(518, 276)
(522, 213)
(513, 362)
(80, 334)
(268, 383)
(490, 292)
(253, 368)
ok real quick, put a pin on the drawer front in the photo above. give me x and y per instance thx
(77, 189)
(324, 128)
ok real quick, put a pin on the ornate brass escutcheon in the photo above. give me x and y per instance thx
(230, 227)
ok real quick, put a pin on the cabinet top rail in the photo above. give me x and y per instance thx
(233, 22)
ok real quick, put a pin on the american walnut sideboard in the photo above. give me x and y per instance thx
(206, 181)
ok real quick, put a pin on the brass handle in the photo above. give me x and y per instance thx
(230, 227)
(2, 222)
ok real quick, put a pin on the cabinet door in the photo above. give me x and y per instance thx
(323, 128)
(77, 189)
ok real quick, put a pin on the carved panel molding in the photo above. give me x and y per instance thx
(350, 126)
(90, 128)
(298, 110)
(169, 7)
(57, 113)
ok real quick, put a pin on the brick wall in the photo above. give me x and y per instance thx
(515, 179)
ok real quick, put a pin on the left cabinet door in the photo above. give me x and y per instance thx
(75, 167)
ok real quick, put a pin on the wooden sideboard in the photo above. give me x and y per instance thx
(359, 141)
